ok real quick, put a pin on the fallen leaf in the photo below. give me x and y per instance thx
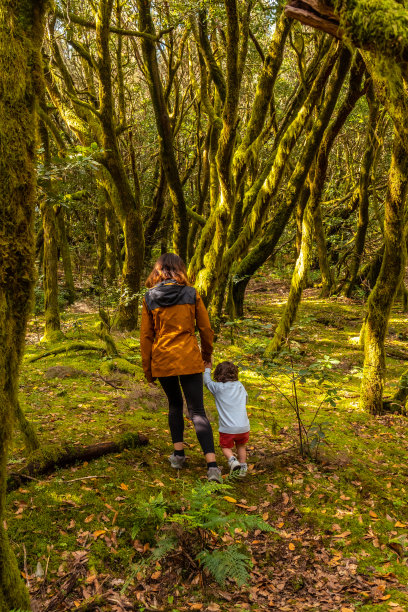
(156, 575)
(373, 514)
(342, 535)
(398, 524)
(265, 516)
(89, 518)
(124, 486)
(291, 546)
(230, 499)
(98, 533)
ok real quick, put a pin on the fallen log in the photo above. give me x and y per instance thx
(48, 458)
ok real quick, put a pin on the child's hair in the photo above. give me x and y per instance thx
(226, 371)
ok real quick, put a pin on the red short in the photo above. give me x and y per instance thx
(228, 440)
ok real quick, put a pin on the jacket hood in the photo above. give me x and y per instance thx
(167, 293)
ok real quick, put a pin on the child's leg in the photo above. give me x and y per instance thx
(227, 452)
(242, 453)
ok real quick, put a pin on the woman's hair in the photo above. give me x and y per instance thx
(169, 266)
(226, 371)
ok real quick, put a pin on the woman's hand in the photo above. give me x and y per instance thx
(208, 364)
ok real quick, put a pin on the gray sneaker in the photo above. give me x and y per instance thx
(234, 464)
(176, 461)
(243, 470)
(214, 474)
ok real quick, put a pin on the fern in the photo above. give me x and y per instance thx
(149, 516)
(164, 545)
(247, 522)
(232, 563)
(204, 513)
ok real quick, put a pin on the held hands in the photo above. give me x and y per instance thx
(208, 364)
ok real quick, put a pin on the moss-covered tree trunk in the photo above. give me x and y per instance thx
(168, 158)
(297, 284)
(296, 193)
(52, 329)
(125, 201)
(261, 194)
(27, 429)
(21, 33)
(363, 192)
(327, 276)
(101, 240)
(382, 296)
(65, 254)
(299, 276)
(111, 230)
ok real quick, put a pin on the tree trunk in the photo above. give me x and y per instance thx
(296, 192)
(49, 458)
(125, 201)
(381, 26)
(363, 196)
(50, 271)
(65, 253)
(21, 33)
(297, 284)
(382, 296)
(52, 329)
(164, 129)
(112, 262)
(101, 239)
(321, 246)
(27, 430)
(300, 273)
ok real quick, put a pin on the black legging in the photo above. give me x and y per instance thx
(192, 385)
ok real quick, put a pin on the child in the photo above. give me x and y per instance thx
(230, 399)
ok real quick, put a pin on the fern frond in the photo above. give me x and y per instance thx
(164, 545)
(248, 522)
(230, 563)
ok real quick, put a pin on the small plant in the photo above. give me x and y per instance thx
(232, 562)
(311, 435)
(207, 522)
(149, 517)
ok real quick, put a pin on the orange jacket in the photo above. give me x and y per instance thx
(168, 343)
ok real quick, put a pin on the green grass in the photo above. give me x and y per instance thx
(350, 501)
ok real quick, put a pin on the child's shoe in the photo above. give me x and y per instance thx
(234, 464)
(177, 461)
(243, 470)
(214, 474)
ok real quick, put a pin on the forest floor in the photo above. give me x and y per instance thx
(86, 536)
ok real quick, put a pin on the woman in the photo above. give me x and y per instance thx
(170, 352)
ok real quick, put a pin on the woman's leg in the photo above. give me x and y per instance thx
(171, 387)
(192, 385)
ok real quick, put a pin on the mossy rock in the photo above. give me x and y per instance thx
(119, 365)
(64, 372)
